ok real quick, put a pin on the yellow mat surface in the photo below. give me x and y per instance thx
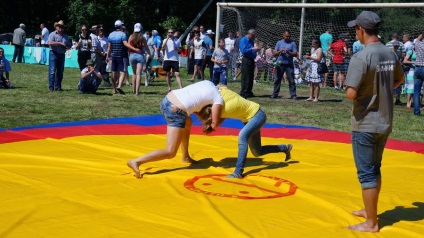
(81, 187)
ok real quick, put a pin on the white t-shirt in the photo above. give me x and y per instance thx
(45, 36)
(171, 52)
(103, 43)
(229, 44)
(195, 96)
(408, 46)
(199, 49)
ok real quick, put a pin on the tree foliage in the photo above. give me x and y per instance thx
(152, 14)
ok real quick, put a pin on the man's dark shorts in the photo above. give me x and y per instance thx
(169, 64)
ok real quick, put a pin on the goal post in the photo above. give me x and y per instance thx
(270, 20)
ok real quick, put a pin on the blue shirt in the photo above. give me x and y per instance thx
(326, 40)
(208, 42)
(357, 46)
(246, 46)
(116, 39)
(6, 66)
(286, 58)
(54, 37)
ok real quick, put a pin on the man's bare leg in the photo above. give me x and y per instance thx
(370, 197)
(177, 76)
(168, 80)
(173, 140)
(114, 79)
(121, 79)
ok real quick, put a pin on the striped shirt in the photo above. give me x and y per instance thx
(419, 51)
(400, 50)
(116, 40)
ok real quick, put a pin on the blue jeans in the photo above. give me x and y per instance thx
(89, 85)
(418, 83)
(220, 73)
(56, 67)
(250, 136)
(289, 69)
(368, 152)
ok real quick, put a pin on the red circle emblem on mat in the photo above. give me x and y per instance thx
(254, 186)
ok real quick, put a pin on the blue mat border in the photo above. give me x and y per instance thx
(149, 120)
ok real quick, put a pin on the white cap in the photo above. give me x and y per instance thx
(22, 25)
(118, 23)
(209, 32)
(138, 27)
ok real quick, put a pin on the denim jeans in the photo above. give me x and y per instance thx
(289, 69)
(250, 136)
(368, 152)
(174, 118)
(418, 83)
(137, 58)
(88, 85)
(218, 73)
(56, 67)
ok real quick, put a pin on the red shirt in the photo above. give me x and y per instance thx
(338, 48)
(140, 46)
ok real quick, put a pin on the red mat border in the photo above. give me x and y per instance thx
(10, 136)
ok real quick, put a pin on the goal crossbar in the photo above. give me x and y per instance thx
(321, 5)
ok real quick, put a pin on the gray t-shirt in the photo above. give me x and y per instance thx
(220, 55)
(373, 71)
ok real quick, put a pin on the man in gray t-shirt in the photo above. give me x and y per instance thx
(372, 75)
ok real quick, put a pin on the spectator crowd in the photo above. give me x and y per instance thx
(106, 58)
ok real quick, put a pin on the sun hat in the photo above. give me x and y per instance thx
(89, 62)
(59, 23)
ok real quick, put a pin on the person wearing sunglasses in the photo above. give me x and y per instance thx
(171, 47)
(84, 46)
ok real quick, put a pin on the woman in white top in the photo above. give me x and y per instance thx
(314, 77)
(176, 107)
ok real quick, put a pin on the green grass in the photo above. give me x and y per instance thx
(30, 103)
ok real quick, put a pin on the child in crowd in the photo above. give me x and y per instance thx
(220, 57)
(297, 74)
(268, 63)
(259, 62)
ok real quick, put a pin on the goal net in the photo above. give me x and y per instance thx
(307, 21)
(271, 20)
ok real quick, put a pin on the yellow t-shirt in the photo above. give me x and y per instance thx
(236, 106)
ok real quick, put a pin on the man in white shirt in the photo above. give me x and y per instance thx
(44, 35)
(171, 49)
(407, 43)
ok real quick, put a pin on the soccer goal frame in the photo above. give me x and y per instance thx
(303, 6)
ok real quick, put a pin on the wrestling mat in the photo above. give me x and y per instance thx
(71, 180)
